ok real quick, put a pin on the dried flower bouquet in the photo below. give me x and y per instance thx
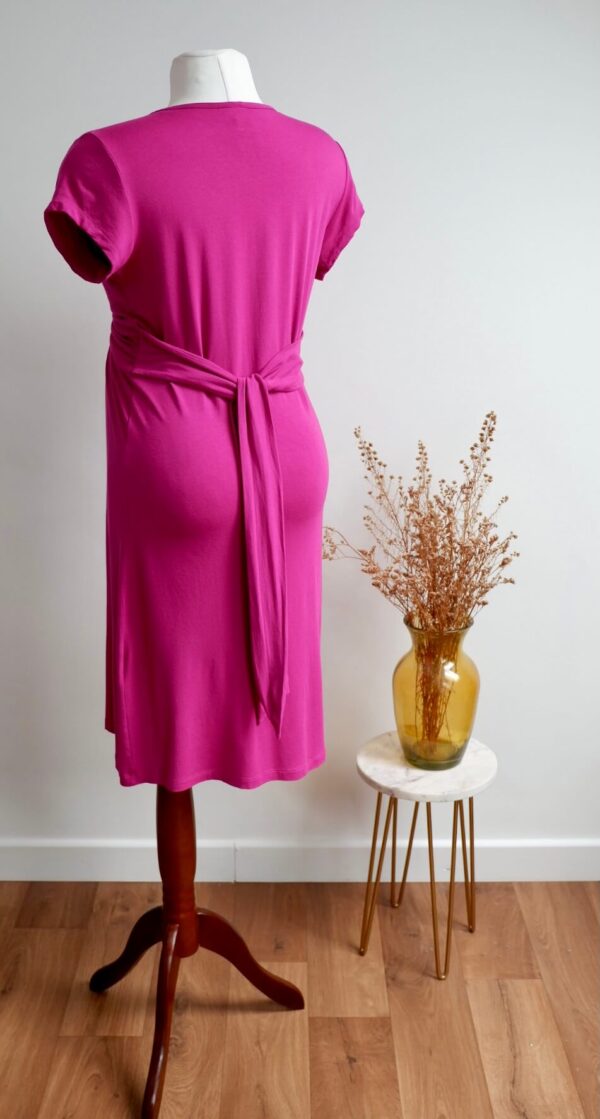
(436, 556)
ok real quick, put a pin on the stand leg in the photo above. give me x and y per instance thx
(469, 877)
(146, 932)
(472, 853)
(216, 934)
(165, 995)
(394, 845)
(442, 974)
(371, 889)
(398, 900)
(469, 874)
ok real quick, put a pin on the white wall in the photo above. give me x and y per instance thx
(472, 131)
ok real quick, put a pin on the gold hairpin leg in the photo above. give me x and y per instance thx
(394, 842)
(372, 888)
(468, 876)
(442, 974)
(398, 900)
(468, 867)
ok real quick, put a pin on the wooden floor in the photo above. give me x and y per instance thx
(512, 1032)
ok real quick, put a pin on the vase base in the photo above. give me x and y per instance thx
(420, 762)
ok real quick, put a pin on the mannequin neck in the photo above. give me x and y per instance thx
(211, 75)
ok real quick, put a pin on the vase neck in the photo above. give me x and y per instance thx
(444, 643)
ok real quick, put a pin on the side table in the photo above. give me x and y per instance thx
(381, 763)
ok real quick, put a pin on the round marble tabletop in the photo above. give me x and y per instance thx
(382, 764)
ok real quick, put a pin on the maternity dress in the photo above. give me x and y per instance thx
(207, 224)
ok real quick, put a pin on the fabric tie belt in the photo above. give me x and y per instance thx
(262, 492)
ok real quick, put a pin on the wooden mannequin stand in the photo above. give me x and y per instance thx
(182, 928)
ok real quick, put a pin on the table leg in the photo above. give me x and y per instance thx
(442, 974)
(394, 844)
(372, 888)
(398, 900)
(468, 876)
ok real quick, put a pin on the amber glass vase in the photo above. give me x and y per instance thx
(436, 688)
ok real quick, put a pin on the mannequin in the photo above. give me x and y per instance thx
(218, 75)
(181, 927)
(207, 221)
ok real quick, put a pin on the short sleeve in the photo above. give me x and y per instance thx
(343, 223)
(88, 216)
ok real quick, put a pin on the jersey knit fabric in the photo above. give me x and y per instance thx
(207, 224)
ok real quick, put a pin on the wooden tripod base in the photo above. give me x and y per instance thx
(182, 928)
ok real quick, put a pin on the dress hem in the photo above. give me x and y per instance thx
(211, 775)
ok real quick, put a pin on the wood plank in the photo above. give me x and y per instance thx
(439, 1065)
(353, 1069)
(11, 900)
(57, 905)
(120, 1011)
(593, 891)
(36, 971)
(341, 982)
(96, 1078)
(266, 1059)
(500, 947)
(271, 916)
(525, 1064)
(562, 927)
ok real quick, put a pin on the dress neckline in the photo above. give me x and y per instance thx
(214, 105)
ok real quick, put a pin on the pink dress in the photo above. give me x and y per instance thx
(207, 224)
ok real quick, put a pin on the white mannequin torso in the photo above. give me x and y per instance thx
(211, 75)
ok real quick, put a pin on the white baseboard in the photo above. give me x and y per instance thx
(127, 860)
